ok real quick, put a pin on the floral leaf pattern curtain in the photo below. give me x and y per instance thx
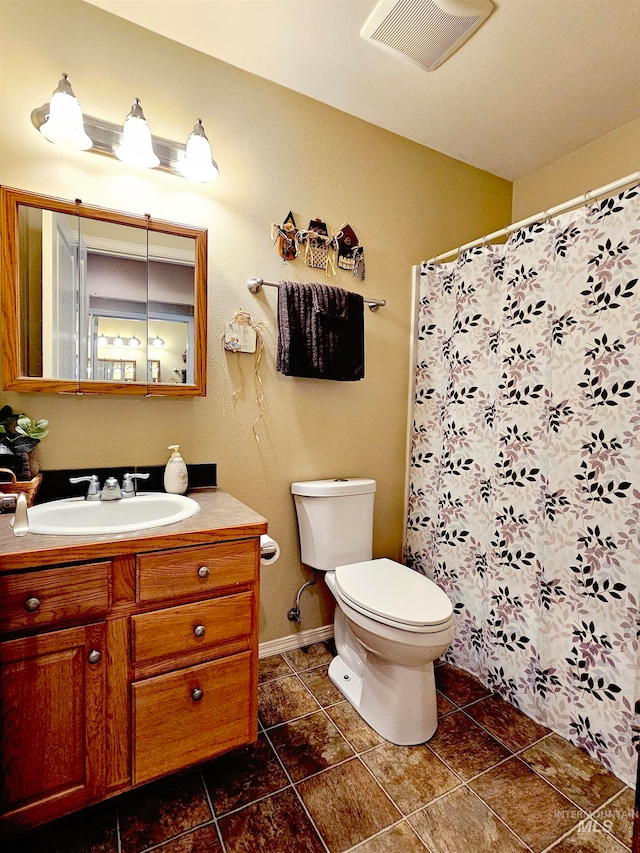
(524, 499)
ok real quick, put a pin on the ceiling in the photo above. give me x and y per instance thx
(539, 79)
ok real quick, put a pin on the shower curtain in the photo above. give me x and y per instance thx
(524, 496)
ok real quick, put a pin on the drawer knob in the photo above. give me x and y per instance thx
(196, 694)
(199, 630)
(94, 656)
(32, 604)
(203, 572)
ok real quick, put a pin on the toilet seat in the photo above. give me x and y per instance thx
(391, 593)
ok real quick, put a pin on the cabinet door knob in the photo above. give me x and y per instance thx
(94, 656)
(196, 694)
(199, 630)
(32, 604)
(203, 572)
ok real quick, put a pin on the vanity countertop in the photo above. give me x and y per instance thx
(221, 517)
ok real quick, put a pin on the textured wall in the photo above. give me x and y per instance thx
(614, 156)
(276, 150)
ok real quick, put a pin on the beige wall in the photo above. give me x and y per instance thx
(614, 156)
(277, 150)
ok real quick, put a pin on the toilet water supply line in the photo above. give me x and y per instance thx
(294, 614)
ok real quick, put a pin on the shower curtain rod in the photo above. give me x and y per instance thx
(256, 284)
(546, 214)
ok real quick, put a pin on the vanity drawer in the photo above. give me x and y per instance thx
(191, 715)
(190, 627)
(188, 571)
(38, 599)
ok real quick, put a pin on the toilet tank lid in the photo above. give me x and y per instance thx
(333, 488)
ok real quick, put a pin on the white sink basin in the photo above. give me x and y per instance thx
(78, 517)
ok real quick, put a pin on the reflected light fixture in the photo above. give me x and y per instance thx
(63, 124)
(102, 341)
(198, 164)
(137, 147)
(118, 342)
(61, 121)
(157, 341)
(134, 342)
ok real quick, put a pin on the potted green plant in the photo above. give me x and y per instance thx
(19, 435)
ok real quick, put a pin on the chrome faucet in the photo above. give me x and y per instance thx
(111, 490)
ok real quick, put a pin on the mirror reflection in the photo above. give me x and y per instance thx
(106, 301)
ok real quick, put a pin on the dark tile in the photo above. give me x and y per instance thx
(273, 825)
(399, 839)
(309, 656)
(461, 823)
(244, 775)
(458, 685)
(162, 810)
(309, 745)
(93, 830)
(534, 810)
(617, 816)
(359, 734)
(346, 805)
(513, 728)
(272, 667)
(444, 706)
(319, 683)
(588, 837)
(411, 775)
(466, 747)
(570, 769)
(203, 840)
(284, 699)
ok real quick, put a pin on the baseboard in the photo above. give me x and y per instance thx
(295, 641)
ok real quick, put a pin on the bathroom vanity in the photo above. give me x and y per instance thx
(124, 657)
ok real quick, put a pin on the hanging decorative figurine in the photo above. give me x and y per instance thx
(350, 252)
(286, 237)
(320, 247)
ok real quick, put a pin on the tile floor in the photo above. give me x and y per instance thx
(320, 780)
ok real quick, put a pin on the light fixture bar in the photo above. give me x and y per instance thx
(106, 136)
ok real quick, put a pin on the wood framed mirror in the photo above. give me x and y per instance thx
(83, 287)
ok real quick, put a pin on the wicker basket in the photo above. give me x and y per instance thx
(13, 486)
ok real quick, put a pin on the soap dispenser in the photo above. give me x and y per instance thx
(176, 478)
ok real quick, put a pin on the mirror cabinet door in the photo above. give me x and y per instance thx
(96, 301)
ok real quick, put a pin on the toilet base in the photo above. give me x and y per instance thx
(398, 702)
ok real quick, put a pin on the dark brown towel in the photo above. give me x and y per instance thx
(320, 332)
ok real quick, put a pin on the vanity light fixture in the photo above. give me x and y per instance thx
(156, 342)
(118, 342)
(134, 342)
(61, 121)
(102, 341)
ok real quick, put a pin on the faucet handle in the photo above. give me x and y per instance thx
(93, 491)
(128, 485)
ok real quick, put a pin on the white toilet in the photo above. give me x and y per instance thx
(390, 623)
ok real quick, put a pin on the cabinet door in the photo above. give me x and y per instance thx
(52, 703)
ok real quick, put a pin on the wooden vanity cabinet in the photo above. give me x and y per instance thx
(120, 671)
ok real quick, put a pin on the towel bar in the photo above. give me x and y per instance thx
(255, 285)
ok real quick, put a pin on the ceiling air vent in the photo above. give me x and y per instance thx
(424, 32)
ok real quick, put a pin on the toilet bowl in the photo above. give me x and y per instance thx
(390, 622)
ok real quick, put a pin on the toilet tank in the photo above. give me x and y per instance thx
(335, 521)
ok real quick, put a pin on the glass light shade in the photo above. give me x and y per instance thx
(134, 342)
(118, 342)
(157, 342)
(198, 164)
(102, 341)
(64, 123)
(136, 148)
